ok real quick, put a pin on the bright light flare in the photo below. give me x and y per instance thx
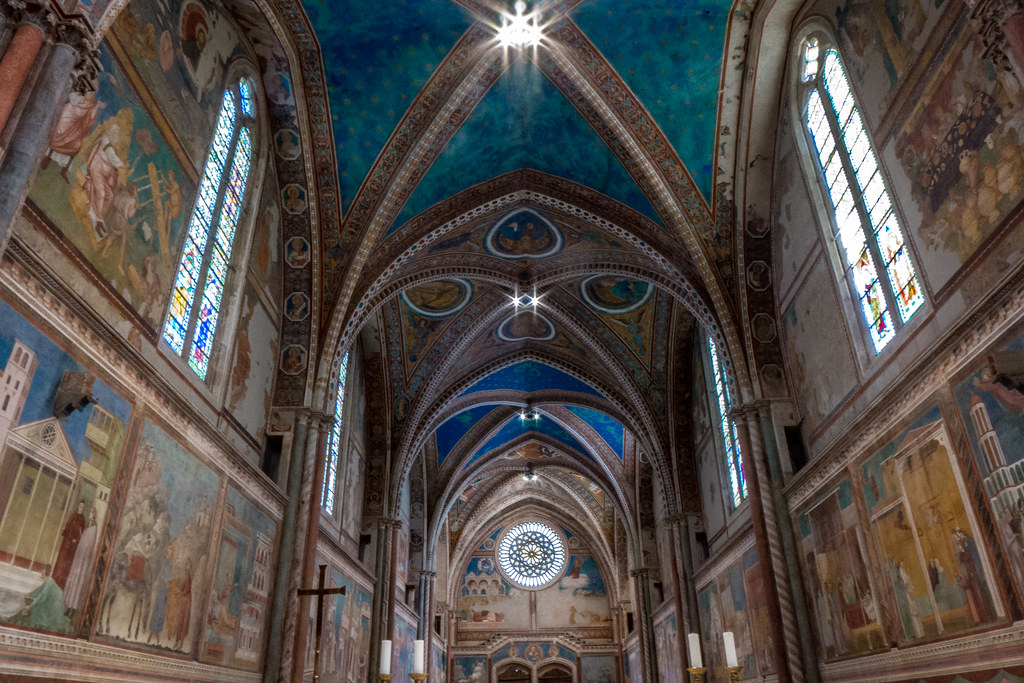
(520, 31)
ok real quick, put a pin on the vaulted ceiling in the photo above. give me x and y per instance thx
(590, 174)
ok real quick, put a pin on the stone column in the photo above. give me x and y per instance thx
(308, 531)
(383, 592)
(763, 430)
(301, 467)
(682, 574)
(785, 645)
(645, 623)
(425, 629)
(273, 663)
(71, 62)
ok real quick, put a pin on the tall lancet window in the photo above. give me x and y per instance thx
(203, 268)
(730, 440)
(334, 447)
(865, 227)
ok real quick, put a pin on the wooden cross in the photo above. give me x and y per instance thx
(320, 593)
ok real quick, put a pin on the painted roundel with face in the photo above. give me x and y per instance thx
(531, 554)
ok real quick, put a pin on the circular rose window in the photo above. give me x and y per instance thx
(531, 554)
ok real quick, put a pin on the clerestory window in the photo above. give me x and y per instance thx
(730, 440)
(865, 228)
(334, 447)
(202, 271)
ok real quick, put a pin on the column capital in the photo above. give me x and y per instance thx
(640, 572)
(389, 522)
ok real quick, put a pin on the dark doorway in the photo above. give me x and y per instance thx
(556, 673)
(514, 673)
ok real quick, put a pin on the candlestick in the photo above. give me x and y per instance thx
(418, 660)
(734, 673)
(418, 677)
(385, 658)
(384, 677)
(693, 645)
(730, 649)
(697, 673)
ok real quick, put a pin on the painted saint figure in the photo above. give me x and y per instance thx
(78, 576)
(184, 607)
(71, 536)
(967, 556)
(75, 121)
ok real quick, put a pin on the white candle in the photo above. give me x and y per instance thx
(385, 657)
(418, 662)
(694, 645)
(730, 649)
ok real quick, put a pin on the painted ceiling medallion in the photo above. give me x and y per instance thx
(524, 233)
(438, 299)
(525, 326)
(613, 295)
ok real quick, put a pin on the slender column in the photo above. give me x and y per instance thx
(683, 583)
(302, 467)
(272, 665)
(762, 512)
(72, 61)
(645, 623)
(763, 430)
(15, 66)
(380, 626)
(425, 630)
(317, 439)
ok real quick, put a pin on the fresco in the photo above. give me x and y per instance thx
(633, 665)
(517, 426)
(666, 641)
(116, 192)
(926, 536)
(627, 308)
(469, 670)
(154, 586)
(844, 597)
(265, 264)
(236, 613)
(454, 428)
(524, 234)
(530, 376)
(56, 475)
(817, 369)
(180, 49)
(487, 599)
(711, 630)
(678, 101)
(507, 132)
(438, 663)
(963, 150)
(402, 649)
(578, 599)
(345, 641)
(255, 364)
(426, 311)
(732, 598)
(598, 669)
(526, 326)
(757, 611)
(991, 404)
(881, 43)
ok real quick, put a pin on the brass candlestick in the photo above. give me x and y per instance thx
(418, 677)
(734, 673)
(385, 677)
(697, 673)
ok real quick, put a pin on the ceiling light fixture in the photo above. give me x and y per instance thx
(530, 474)
(525, 300)
(521, 30)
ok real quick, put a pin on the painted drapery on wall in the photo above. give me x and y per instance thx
(56, 476)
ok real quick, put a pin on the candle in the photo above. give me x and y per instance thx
(694, 645)
(418, 663)
(730, 649)
(385, 657)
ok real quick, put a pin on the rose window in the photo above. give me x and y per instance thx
(531, 554)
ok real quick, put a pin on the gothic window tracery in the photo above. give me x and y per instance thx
(334, 447)
(865, 227)
(203, 267)
(730, 440)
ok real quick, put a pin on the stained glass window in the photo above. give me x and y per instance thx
(531, 554)
(334, 448)
(866, 229)
(730, 440)
(218, 203)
